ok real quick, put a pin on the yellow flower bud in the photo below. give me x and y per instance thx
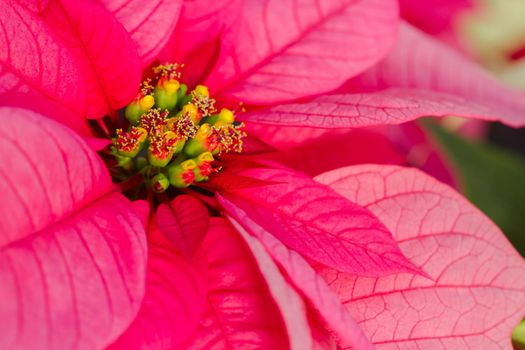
(147, 102)
(202, 90)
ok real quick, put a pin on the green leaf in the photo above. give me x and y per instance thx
(491, 177)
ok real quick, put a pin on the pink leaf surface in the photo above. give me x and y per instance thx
(48, 107)
(433, 16)
(405, 144)
(149, 23)
(324, 339)
(392, 106)
(423, 152)
(34, 6)
(315, 47)
(240, 312)
(319, 223)
(106, 55)
(97, 144)
(206, 23)
(142, 209)
(226, 181)
(476, 293)
(304, 277)
(420, 62)
(72, 251)
(32, 61)
(184, 221)
(288, 301)
(335, 150)
(173, 302)
(284, 137)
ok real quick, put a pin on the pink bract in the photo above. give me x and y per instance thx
(184, 221)
(469, 263)
(70, 242)
(437, 17)
(263, 256)
(319, 224)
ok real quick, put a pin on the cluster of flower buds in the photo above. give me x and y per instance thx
(175, 134)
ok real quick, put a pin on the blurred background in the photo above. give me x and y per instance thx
(489, 158)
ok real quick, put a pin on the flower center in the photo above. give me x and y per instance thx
(175, 135)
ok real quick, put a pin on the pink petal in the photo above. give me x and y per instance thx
(303, 276)
(184, 222)
(328, 149)
(174, 300)
(476, 293)
(420, 62)
(392, 106)
(285, 51)
(335, 150)
(323, 338)
(210, 25)
(433, 16)
(97, 144)
(142, 209)
(73, 253)
(241, 312)
(34, 62)
(106, 55)
(423, 152)
(319, 224)
(232, 176)
(149, 23)
(34, 6)
(283, 138)
(48, 107)
(288, 301)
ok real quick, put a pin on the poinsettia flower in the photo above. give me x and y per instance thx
(80, 272)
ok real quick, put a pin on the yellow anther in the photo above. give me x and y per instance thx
(146, 87)
(182, 125)
(226, 117)
(168, 71)
(147, 102)
(190, 109)
(171, 85)
(202, 90)
(205, 157)
(188, 164)
(204, 130)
